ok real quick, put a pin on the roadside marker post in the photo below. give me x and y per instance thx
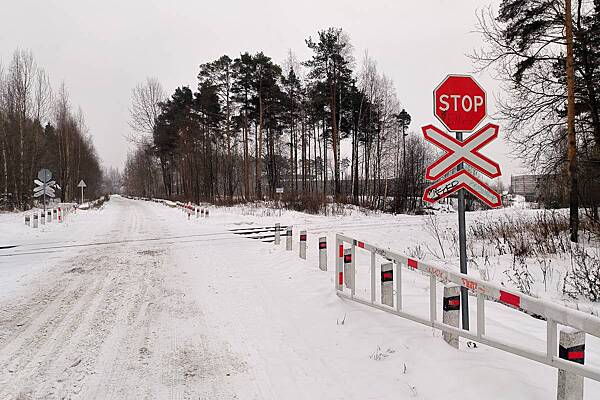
(348, 269)
(54, 216)
(206, 213)
(387, 284)
(60, 215)
(571, 348)
(323, 253)
(277, 236)
(42, 218)
(49, 216)
(288, 239)
(27, 220)
(451, 311)
(303, 245)
(35, 220)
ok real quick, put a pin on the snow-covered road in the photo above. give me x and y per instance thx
(133, 301)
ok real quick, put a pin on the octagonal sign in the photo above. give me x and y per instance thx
(459, 103)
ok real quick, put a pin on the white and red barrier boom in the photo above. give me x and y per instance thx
(553, 314)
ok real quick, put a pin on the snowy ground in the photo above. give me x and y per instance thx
(134, 301)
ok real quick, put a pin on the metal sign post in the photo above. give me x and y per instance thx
(81, 185)
(460, 105)
(279, 191)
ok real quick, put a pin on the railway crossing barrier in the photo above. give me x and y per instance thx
(570, 361)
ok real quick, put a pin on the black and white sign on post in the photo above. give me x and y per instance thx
(44, 185)
(81, 185)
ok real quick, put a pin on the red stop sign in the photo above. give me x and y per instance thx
(459, 103)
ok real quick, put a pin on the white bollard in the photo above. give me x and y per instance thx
(303, 245)
(451, 314)
(42, 218)
(202, 213)
(27, 220)
(277, 236)
(206, 213)
(571, 348)
(323, 253)
(60, 215)
(48, 215)
(196, 212)
(54, 214)
(387, 284)
(35, 220)
(348, 268)
(288, 239)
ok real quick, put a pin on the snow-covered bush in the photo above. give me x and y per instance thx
(583, 279)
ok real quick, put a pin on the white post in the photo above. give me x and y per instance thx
(54, 214)
(196, 212)
(303, 245)
(27, 220)
(42, 218)
(277, 236)
(35, 220)
(206, 213)
(571, 348)
(353, 269)
(387, 284)
(202, 213)
(348, 268)
(323, 253)
(373, 277)
(398, 286)
(81, 194)
(451, 313)
(60, 215)
(288, 239)
(48, 216)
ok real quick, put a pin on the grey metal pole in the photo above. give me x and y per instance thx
(462, 245)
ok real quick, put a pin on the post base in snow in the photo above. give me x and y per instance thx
(572, 348)
(451, 314)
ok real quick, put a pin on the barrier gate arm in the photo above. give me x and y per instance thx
(553, 313)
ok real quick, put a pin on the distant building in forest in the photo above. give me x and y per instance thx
(544, 188)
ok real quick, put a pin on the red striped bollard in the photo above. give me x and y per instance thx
(387, 284)
(323, 253)
(571, 348)
(277, 239)
(60, 215)
(451, 314)
(288, 239)
(303, 245)
(339, 266)
(348, 268)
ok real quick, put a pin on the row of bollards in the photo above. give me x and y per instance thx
(42, 217)
(302, 244)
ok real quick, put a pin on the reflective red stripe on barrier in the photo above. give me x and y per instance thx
(510, 299)
(348, 258)
(341, 278)
(303, 238)
(322, 245)
(341, 250)
(413, 263)
(361, 245)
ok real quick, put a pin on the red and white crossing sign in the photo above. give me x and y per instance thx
(459, 103)
(462, 179)
(466, 151)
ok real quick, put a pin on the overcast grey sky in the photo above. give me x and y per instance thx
(101, 49)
